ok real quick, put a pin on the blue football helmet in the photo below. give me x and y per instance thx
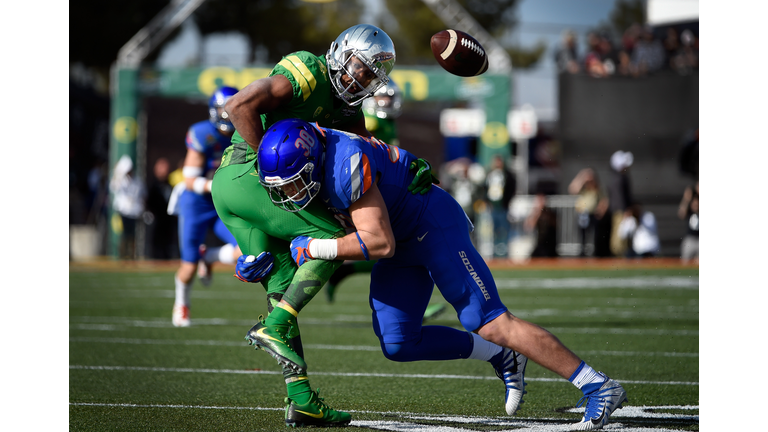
(216, 111)
(290, 161)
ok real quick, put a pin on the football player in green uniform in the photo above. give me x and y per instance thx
(328, 90)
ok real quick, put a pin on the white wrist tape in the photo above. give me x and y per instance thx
(325, 249)
(192, 171)
(199, 185)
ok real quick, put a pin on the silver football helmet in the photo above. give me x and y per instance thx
(360, 61)
(387, 102)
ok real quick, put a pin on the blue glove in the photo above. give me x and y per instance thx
(251, 268)
(300, 250)
(424, 178)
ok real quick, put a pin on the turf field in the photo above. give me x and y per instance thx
(131, 370)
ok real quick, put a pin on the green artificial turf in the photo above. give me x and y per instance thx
(131, 370)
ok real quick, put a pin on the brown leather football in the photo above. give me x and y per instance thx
(459, 53)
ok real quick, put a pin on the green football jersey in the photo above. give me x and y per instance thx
(313, 99)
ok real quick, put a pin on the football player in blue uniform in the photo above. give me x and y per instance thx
(206, 141)
(419, 240)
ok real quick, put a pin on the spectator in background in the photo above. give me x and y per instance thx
(98, 190)
(593, 60)
(542, 220)
(671, 47)
(639, 228)
(686, 59)
(463, 181)
(628, 42)
(129, 201)
(566, 56)
(608, 54)
(602, 59)
(161, 226)
(591, 207)
(500, 185)
(648, 53)
(619, 198)
(689, 212)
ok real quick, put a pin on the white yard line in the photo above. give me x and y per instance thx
(108, 323)
(334, 347)
(519, 424)
(346, 374)
(641, 282)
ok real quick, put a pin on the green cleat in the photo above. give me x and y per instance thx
(433, 311)
(277, 346)
(315, 413)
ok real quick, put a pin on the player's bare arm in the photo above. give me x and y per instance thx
(369, 214)
(259, 97)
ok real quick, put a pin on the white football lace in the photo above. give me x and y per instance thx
(473, 46)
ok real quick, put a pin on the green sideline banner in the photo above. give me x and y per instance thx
(493, 92)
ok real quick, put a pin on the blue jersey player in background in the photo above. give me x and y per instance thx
(206, 141)
(419, 241)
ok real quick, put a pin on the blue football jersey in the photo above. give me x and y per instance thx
(206, 139)
(353, 163)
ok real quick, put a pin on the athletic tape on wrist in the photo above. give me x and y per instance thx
(192, 171)
(325, 249)
(362, 247)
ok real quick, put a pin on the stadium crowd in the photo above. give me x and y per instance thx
(640, 51)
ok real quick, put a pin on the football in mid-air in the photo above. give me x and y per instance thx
(459, 53)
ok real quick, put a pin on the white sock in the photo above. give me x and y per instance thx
(482, 349)
(182, 292)
(587, 375)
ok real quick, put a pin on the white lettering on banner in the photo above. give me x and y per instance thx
(473, 273)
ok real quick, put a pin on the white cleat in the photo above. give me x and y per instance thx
(181, 316)
(600, 405)
(512, 371)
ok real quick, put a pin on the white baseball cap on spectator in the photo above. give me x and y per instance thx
(621, 160)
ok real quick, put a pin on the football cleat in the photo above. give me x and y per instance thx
(600, 405)
(314, 413)
(181, 316)
(433, 311)
(276, 345)
(511, 370)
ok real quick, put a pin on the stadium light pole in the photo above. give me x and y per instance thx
(124, 91)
